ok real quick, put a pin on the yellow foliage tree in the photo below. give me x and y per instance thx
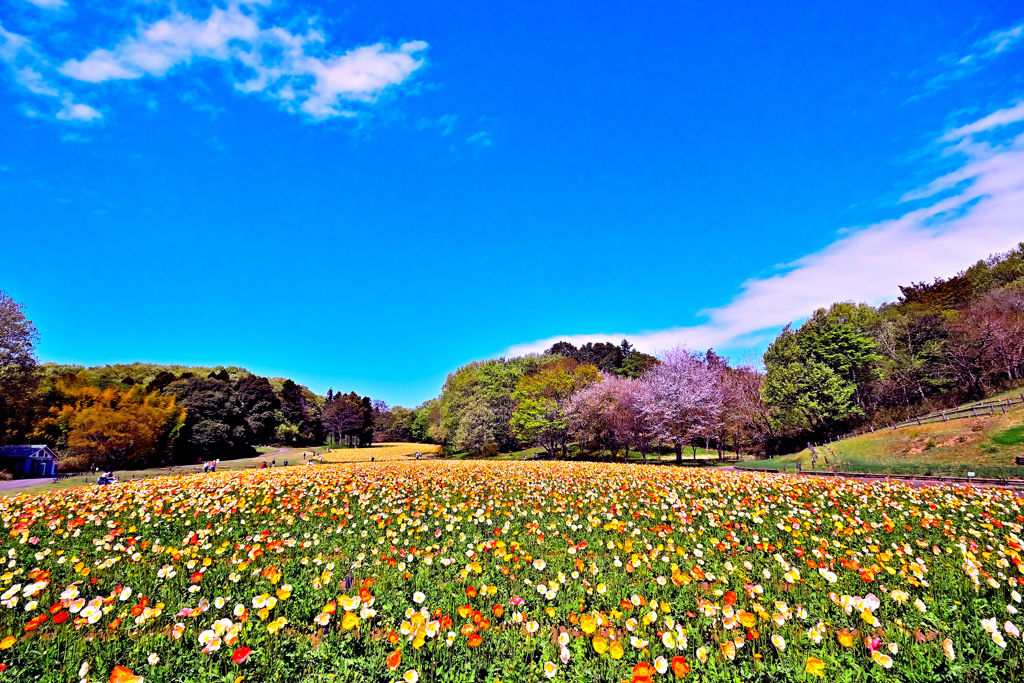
(111, 427)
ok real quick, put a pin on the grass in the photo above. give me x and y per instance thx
(1010, 437)
(985, 445)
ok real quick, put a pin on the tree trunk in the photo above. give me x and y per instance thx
(679, 453)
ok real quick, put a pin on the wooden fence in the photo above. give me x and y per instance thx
(980, 409)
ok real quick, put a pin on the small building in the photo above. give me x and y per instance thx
(28, 461)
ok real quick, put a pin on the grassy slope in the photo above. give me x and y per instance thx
(985, 445)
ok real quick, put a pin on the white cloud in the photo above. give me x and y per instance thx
(446, 123)
(991, 46)
(1003, 40)
(20, 55)
(996, 119)
(482, 138)
(78, 112)
(12, 45)
(984, 215)
(280, 64)
(48, 4)
(34, 82)
(155, 49)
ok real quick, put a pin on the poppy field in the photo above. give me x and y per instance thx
(508, 571)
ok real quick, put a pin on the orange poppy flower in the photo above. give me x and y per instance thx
(679, 667)
(643, 673)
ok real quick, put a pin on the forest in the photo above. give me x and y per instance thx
(846, 366)
(142, 415)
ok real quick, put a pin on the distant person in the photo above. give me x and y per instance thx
(273, 463)
(263, 465)
(286, 463)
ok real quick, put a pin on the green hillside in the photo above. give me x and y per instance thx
(986, 445)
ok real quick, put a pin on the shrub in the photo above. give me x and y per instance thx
(74, 462)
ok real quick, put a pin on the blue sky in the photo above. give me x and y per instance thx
(365, 196)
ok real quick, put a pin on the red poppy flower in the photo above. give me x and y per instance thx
(240, 655)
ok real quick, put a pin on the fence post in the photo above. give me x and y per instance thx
(872, 428)
(944, 416)
(991, 410)
(975, 412)
(918, 422)
(1003, 408)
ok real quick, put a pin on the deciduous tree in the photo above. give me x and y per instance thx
(541, 415)
(19, 371)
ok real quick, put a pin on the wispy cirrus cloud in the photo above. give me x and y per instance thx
(968, 214)
(1000, 41)
(48, 4)
(292, 68)
(958, 66)
(996, 119)
(482, 138)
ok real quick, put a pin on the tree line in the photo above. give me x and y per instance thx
(847, 366)
(142, 414)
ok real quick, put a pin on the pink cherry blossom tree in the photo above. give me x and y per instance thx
(683, 398)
